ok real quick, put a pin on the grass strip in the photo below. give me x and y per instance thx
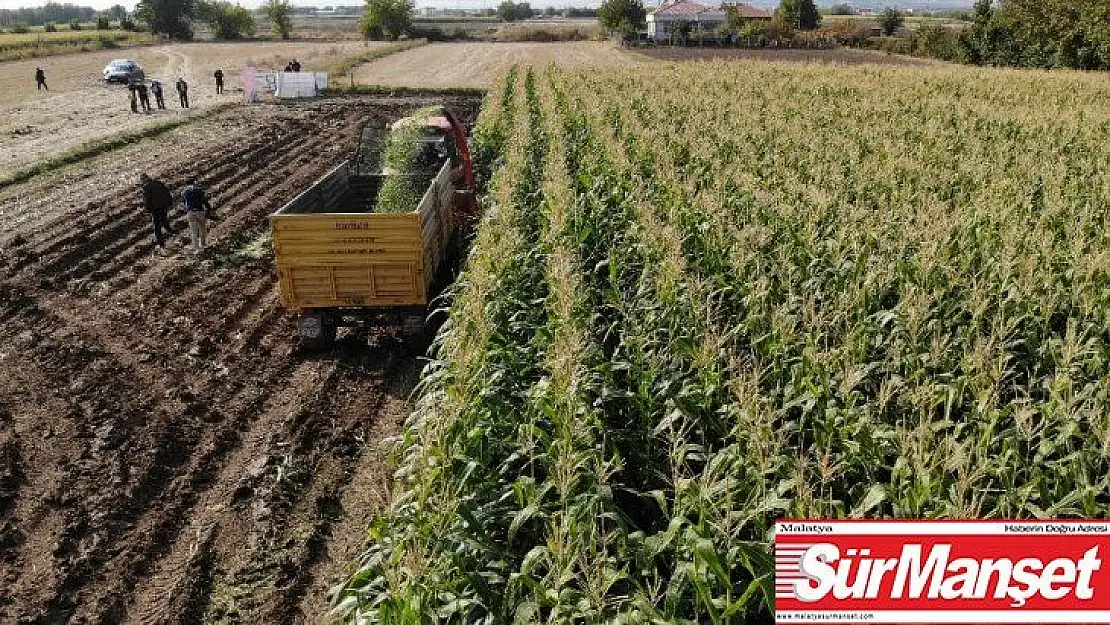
(405, 91)
(342, 66)
(15, 48)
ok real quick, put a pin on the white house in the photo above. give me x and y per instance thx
(661, 22)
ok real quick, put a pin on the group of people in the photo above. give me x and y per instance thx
(293, 66)
(140, 94)
(157, 200)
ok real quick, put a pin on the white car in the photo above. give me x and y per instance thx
(123, 70)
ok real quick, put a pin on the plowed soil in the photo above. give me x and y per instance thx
(167, 452)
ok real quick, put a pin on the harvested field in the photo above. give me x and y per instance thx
(79, 107)
(166, 454)
(479, 64)
(844, 56)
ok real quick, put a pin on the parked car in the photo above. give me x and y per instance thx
(123, 70)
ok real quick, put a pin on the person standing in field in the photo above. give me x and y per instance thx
(183, 92)
(296, 65)
(134, 89)
(219, 76)
(157, 200)
(197, 211)
(156, 89)
(144, 96)
(40, 79)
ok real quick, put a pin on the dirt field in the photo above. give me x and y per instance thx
(846, 56)
(79, 107)
(477, 64)
(166, 453)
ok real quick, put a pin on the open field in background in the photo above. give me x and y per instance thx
(706, 296)
(15, 46)
(911, 21)
(166, 454)
(79, 108)
(479, 64)
(842, 56)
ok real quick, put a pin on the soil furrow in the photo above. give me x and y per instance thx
(167, 454)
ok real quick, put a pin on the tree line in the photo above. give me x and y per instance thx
(1047, 34)
(175, 18)
(49, 13)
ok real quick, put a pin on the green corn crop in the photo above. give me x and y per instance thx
(706, 296)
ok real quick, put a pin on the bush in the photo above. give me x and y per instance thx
(75, 25)
(891, 21)
(280, 13)
(19, 27)
(103, 23)
(537, 34)
(50, 27)
(854, 33)
(386, 19)
(512, 12)
(126, 23)
(230, 21)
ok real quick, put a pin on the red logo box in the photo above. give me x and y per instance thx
(1033, 572)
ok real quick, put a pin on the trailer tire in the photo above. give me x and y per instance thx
(412, 327)
(316, 330)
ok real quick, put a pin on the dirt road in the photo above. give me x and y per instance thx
(79, 107)
(166, 453)
(478, 64)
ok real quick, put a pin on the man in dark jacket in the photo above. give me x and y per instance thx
(219, 76)
(183, 92)
(134, 89)
(156, 89)
(144, 97)
(197, 211)
(40, 79)
(157, 200)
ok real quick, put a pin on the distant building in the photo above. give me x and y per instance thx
(661, 22)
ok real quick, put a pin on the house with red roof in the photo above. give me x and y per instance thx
(662, 21)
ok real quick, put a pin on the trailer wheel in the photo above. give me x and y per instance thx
(412, 327)
(316, 330)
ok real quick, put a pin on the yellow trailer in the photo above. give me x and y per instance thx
(346, 257)
(337, 259)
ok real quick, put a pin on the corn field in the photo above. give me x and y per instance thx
(710, 295)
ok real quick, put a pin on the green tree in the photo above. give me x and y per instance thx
(800, 14)
(840, 9)
(280, 13)
(891, 20)
(167, 17)
(116, 12)
(509, 11)
(229, 21)
(622, 15)
(386, 19)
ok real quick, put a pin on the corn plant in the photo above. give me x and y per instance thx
(707, 296)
